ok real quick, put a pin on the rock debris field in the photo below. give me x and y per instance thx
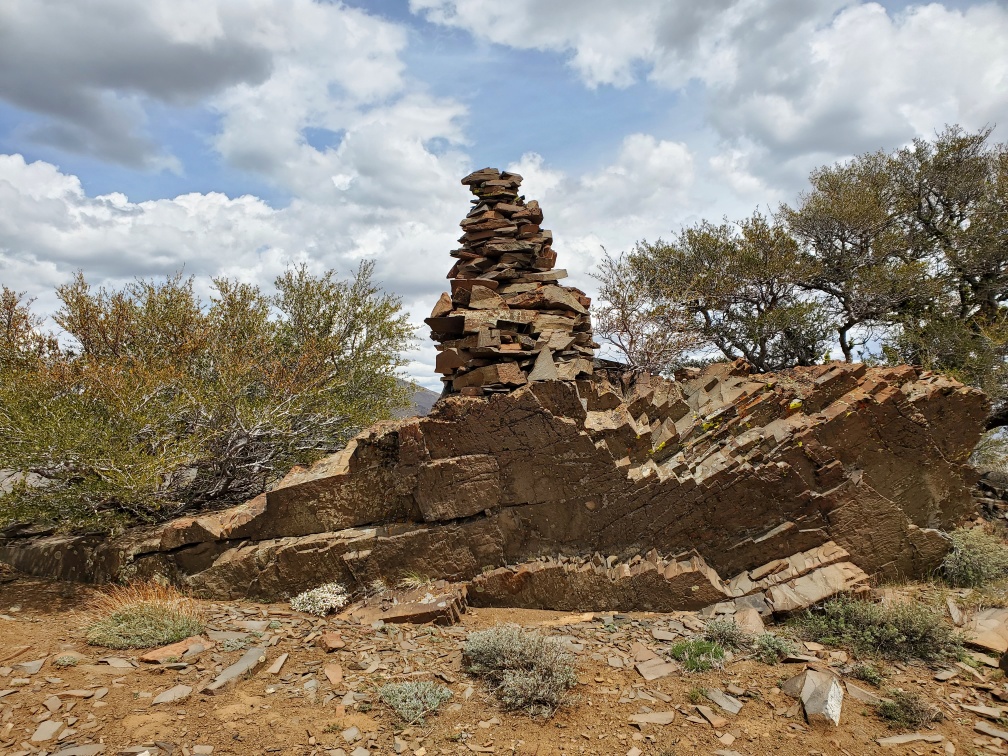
(265, 679)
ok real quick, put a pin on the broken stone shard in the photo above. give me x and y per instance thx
(821, 696)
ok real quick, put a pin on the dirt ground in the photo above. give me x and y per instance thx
(320, 703)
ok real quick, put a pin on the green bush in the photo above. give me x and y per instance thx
(412, 701)
(524, 670)
(901, 631)
(698, 655)
(160, 402)
(976, 558)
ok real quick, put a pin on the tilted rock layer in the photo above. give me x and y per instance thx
(622, 490)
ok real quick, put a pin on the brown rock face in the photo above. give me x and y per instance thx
(507, 321)
(620, 491)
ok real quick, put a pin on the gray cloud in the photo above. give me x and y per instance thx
(86, 65)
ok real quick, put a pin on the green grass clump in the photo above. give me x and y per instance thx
(696, 695)
(525, 671)
(908, 710)
(697, 655)
(772, 649)
(142, 616)
(412, 701)
(976, 558)
(727, 634)
(901, 631)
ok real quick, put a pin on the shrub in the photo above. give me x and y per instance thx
(412, 701)
(144, 615)
(524, 670)
(65, 661)
(160, 401)
(320, 601)
(902, 631)
(727, 634)
(907, 709)
(976, 558)
(696, 695)
(698, 655)
(771, 649)
(869, 673)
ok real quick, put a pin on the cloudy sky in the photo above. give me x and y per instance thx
(239, 136)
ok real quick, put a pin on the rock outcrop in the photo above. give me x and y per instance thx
(620, 491)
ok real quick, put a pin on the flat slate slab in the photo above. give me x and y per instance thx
(178, 693)
(730, 704)
(32, 667)
(47, 730)
(175, 650)
(91, 749)
(247, 665)
(911, 737)
(654, 717)
(654, 669)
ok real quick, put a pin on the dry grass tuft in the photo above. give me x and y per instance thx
(142, 615)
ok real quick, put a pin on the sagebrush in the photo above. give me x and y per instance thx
(904, 630)
(727, 634)
(413, 701)
(771, 649)
(524, 669)
(143, 615)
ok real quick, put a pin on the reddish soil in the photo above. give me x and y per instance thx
(269, 713)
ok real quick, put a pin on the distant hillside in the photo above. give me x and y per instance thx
(423, 400)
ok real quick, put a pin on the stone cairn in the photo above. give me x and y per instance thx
(507, 321)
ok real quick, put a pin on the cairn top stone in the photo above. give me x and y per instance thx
(508, 321)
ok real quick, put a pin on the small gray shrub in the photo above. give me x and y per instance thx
(771, 649)
(412, 701)
(728, 635)
(524, 670)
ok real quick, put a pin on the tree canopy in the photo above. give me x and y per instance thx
(157, 402)
(897, 256)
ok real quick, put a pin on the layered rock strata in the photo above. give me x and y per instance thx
(772, 490)
(507, 320)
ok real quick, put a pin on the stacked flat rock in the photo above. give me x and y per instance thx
(507, 321)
